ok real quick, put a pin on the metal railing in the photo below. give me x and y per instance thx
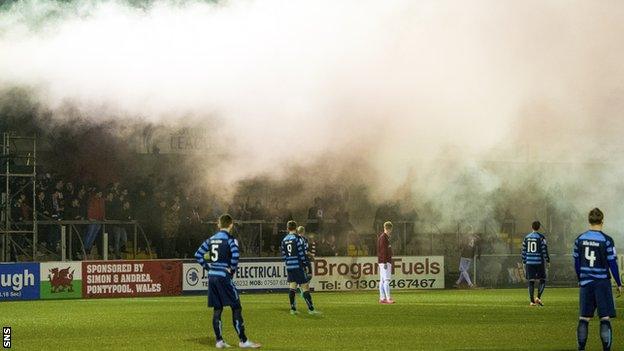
(257, 238)
(252, 236)
(507, 270)
(69, 232)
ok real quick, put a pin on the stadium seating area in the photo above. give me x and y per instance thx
(175, 219)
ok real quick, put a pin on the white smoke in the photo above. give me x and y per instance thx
(425, 89)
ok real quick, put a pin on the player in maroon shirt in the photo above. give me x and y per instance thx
(384, 258)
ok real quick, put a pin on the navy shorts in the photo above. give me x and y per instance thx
(535, 271)
(597, 295)
(222, 292)
(298, 276)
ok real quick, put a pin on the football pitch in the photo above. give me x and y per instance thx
(421, 320)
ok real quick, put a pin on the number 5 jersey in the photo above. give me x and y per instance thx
(219, 255)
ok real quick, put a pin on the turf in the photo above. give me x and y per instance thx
(421, 320)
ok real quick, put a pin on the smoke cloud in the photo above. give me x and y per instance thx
(461, 109)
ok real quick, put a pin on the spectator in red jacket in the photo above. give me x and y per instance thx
(95, 212)
(384, 258)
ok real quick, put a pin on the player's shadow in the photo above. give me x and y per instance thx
(302, 313)
(202, 341)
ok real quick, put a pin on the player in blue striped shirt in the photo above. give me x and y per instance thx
(594, 255)
(294, 254)
(219, 255)
(535, 257)
(306, 248)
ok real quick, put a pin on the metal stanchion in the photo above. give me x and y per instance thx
(405, 238)
(134, 242)
(2, 258)
(35, 237)
(63, 243)
(71, 247)
(260, 241)
(105, 246)
(474, 269)
(431, 244)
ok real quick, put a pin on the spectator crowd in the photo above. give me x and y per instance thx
(173, 219)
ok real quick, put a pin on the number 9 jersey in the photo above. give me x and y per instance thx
(293, 250)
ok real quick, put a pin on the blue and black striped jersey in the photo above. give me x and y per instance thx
(594, 253)
(306, 244)
(535, 249)
(219, 255)
(293, 250)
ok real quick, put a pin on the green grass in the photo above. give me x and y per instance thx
(421, 320)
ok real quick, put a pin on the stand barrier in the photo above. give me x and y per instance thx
(137, 278)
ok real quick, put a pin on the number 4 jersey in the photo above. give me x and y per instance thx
(219, 255)
(594, 254)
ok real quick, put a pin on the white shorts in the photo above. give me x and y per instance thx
(385, 271)
(464, 264)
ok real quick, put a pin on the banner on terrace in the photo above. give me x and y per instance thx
(131, 278)
(329, 274)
